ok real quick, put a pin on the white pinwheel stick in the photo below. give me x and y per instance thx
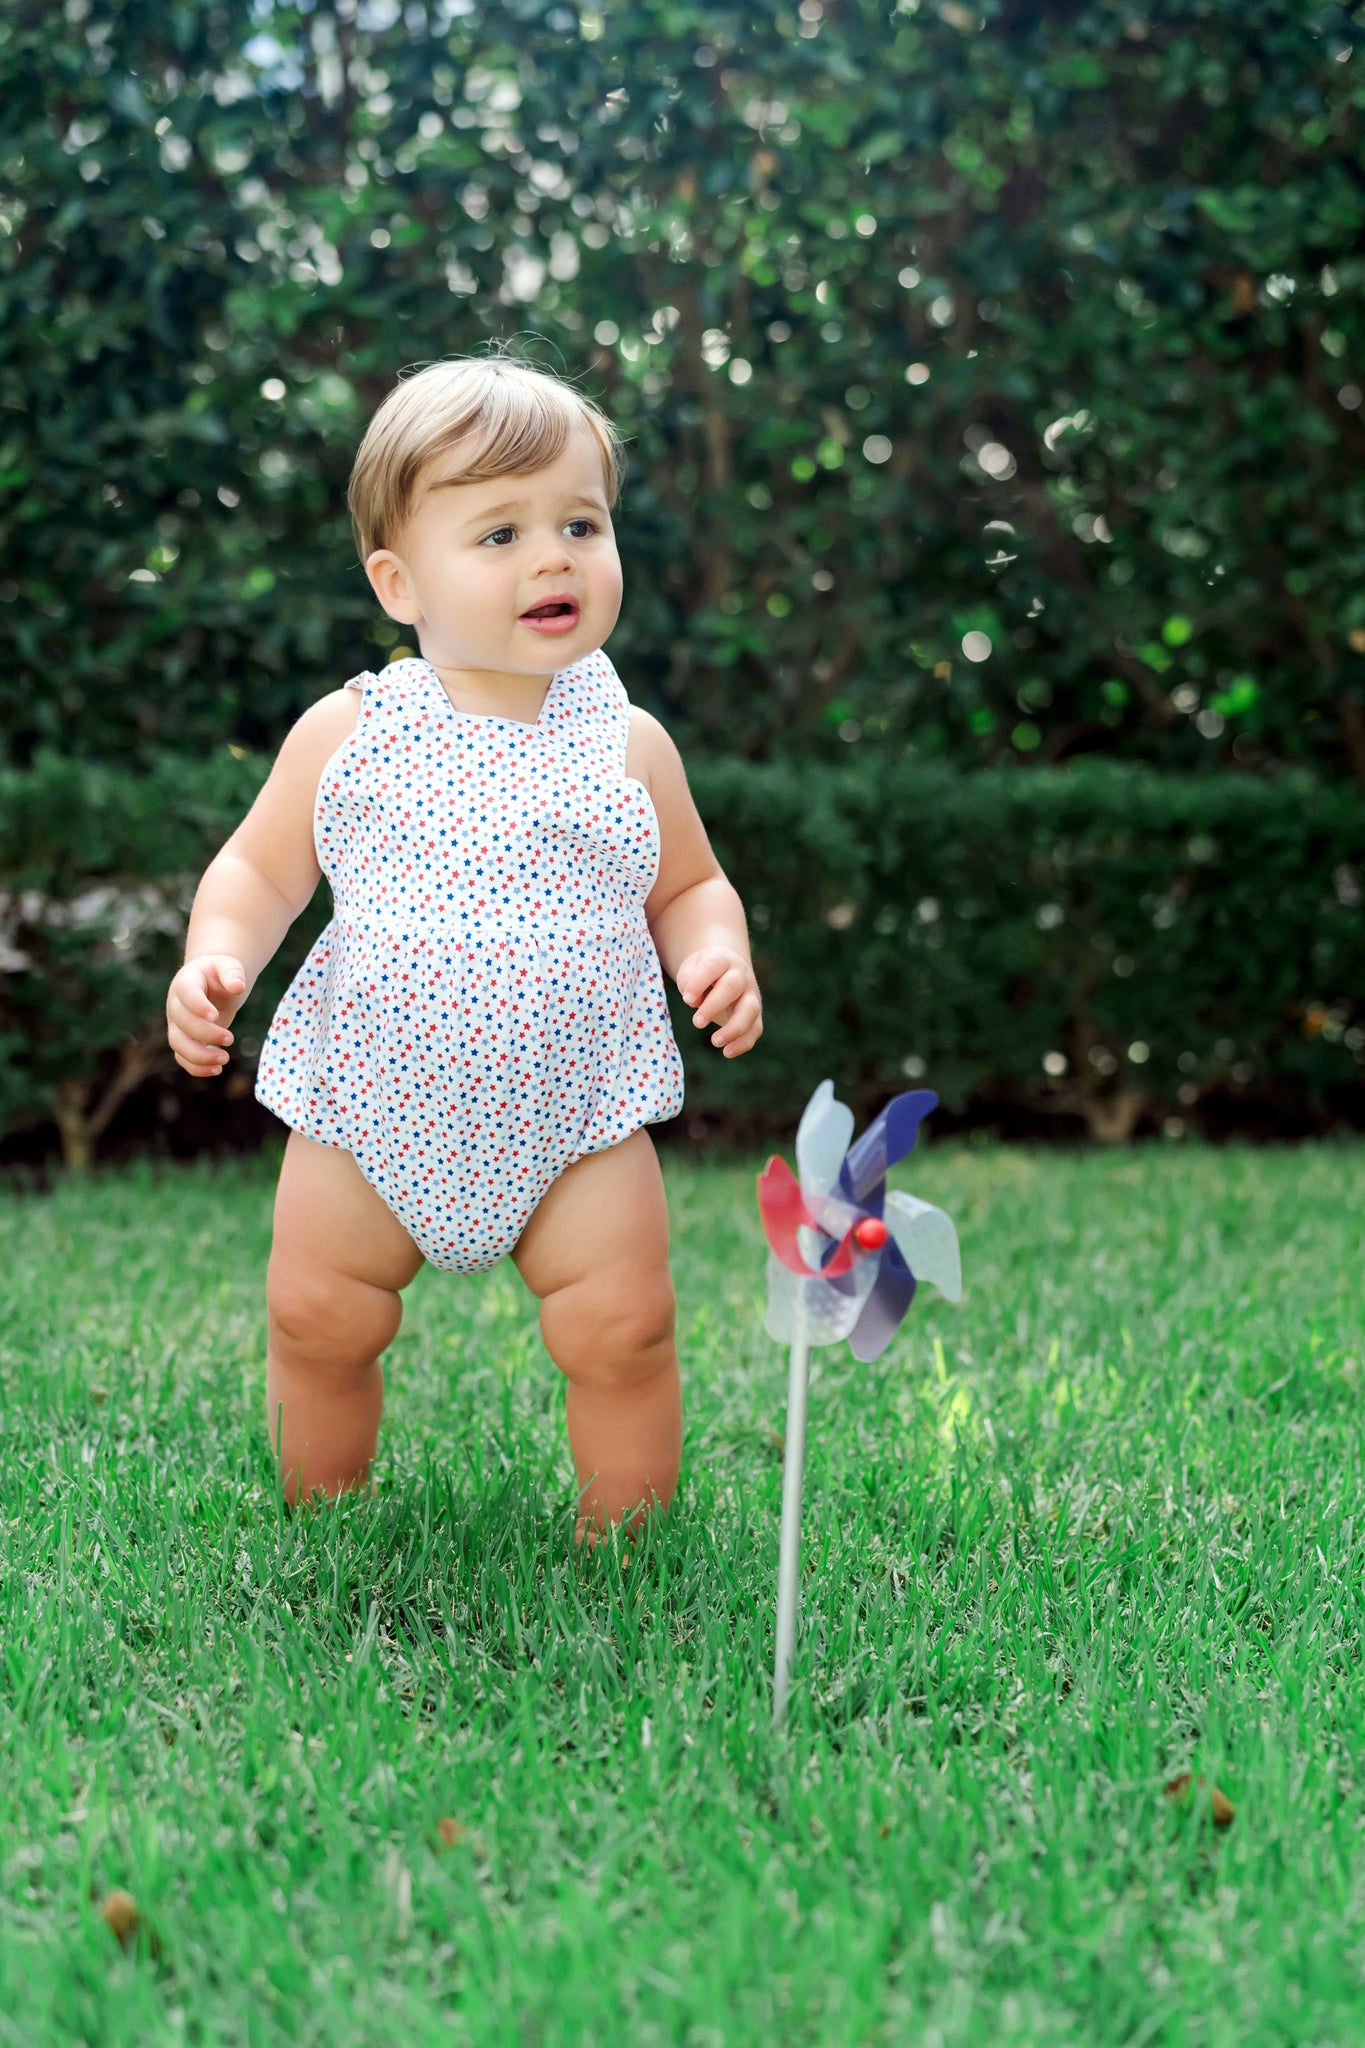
(821, 1143)
(817, 1295)
(789, 1542)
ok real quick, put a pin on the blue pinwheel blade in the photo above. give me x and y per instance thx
(886, 1140)
(884, 1310)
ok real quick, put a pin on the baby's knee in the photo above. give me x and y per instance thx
(613, 1327)
(318, 1311)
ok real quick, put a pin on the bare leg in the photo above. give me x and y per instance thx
(338, 1260)
(596, 1252)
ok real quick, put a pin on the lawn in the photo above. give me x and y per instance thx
(410, 1772)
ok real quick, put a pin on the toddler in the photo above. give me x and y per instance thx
(470, 1055)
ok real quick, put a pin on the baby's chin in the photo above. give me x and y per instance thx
(514, 660)
(548, 653)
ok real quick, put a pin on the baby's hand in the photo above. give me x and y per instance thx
(203, 999)
(722, 982)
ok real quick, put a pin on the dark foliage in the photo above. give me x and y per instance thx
(993, 372)
(1101, 941)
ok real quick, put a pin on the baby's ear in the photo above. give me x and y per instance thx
(390, 583)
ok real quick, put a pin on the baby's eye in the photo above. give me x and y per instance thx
(591, 525)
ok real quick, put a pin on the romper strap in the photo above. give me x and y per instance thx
(614, 710)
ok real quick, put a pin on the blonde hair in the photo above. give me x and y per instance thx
(495, 414)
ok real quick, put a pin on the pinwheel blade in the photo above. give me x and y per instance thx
(783, 1212)
(927, 1241)
(821, 1142)
(884, 1310)
(812, 1245)
(791, 1230)
(886, 1140)
(819, 1310)
(834, 1217)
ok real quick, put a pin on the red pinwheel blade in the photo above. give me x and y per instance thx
(783, 1212)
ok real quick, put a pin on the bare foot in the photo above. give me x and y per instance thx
(590, 1538)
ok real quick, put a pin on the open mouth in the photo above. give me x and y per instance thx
(559, 609)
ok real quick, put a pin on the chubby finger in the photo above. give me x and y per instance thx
(195, 1053)
(706, 968)
(198, 1025)
(721, 996)
(744, 1044)
(204, 1067)
(741, 1016)
(746, 1015)
(192, 999)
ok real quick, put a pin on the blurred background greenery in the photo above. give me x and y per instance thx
(993, 382)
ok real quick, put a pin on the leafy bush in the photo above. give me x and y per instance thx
(1101, 940)
(97, 875)
(993, 373)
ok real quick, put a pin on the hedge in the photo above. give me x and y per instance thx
(1098, 940)
(993, 374)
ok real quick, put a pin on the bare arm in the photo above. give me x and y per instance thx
(694, 913)
(238, 911)
(252, 890)
(705, 915)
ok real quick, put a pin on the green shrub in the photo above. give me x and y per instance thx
(1099, 940)
(991, 373)
(98, 870)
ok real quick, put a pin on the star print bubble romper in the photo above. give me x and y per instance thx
(486, 1005)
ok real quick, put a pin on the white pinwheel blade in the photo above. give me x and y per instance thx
(812, 1245)
(834, 1216)
(822, 1141)
(928, 1242)
(813, 1309)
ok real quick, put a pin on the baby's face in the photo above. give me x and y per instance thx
(476, 558)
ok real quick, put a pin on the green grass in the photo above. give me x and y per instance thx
(1099, 1524)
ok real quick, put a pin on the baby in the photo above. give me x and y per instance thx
(471, 1052)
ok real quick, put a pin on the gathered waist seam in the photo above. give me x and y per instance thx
(567, 927)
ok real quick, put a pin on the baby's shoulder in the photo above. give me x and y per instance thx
(331, 719)
(315, 736)
(646, 745)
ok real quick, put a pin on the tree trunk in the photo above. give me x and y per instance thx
(80, 1124)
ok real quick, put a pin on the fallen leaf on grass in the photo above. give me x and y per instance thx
(1222, 1808)
(451, 1832)
(120, 1915)
(119, 1911)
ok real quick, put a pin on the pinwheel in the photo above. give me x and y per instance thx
(844, 1257)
